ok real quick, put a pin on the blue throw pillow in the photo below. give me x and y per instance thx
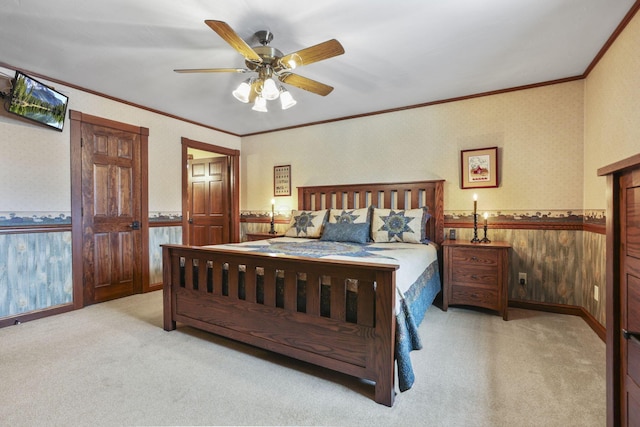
(346, 232)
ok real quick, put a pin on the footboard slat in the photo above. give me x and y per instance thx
(202, 275)
(188, 272)
(269, 287)
(233, 273)
(218, 275)
(250, 283)
(338, 306)
(290, 290)
(366, 303)
(313, 294)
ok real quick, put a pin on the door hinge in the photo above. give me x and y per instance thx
(81, 142)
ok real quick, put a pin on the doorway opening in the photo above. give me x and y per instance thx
(210, 194)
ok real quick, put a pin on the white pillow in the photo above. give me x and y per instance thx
(389, 225)
(350, 216)
(306, 224)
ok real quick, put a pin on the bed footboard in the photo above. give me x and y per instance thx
(335, 314)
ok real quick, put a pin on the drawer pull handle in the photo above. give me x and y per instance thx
(474, 277)
(474, 258)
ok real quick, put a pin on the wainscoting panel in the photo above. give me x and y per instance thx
(35, 271)
(160, 236)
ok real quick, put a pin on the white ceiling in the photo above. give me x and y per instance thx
(398, 53)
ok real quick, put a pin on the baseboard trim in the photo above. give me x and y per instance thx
(33, 315)
(572, 310)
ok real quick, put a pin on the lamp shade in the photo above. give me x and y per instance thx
(286, 100)
(260, 104)
(242, 92)
(270, 90)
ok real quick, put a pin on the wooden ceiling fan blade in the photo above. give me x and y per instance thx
(312, 54)
(305, 83)
(211, 70)
(226, 32)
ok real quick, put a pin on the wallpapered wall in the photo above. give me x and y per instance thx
(612, 129)
(538, 131)
(34, 166)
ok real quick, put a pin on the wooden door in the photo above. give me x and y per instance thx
(630, 296)
(209, 199)
(111, 213)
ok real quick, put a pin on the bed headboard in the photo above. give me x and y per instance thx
(401, 195)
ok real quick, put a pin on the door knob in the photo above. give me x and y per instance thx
(135, 225)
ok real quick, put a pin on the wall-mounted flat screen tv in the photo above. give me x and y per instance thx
(38, 102)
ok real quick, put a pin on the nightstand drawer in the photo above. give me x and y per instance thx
(479, 297)
(475, 275)
(474, 257)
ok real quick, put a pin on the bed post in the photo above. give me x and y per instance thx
(167, 295)
(385, 337)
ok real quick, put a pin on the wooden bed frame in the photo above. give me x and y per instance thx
(195, 297)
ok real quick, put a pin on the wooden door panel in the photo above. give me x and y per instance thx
(633, 324)
(632, 404)
(111, 204)
(125, 193)
(125, 256)
(102, 259)
(209, 201)
(216, 199)
(198, 170)
(200, 235)
(630, 294)
(100, 197)
(216, 233)
(633, 222)
(199, 199)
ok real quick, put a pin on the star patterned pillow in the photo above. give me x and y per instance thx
(306, 224)
(349, 216)
(389, 225)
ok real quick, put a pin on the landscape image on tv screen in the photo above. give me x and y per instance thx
(36, 101)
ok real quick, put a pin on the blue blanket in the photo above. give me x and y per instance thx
(412, 310)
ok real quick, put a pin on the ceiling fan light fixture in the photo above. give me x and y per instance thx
(242, 92)
(268, 62)
(270, 89)
(260, 104)
(286, 100)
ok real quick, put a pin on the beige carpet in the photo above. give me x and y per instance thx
(113, 364)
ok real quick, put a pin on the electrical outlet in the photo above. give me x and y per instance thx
(522, 278)
(596, 293)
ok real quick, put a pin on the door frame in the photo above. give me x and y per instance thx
(614, 374)
(77, 236)
(234, 184)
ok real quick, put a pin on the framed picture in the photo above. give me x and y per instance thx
(282, 180)
(479, 168)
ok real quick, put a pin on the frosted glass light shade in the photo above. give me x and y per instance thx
(270, 90)
(242, 92)
(260, 105)
(286, 100)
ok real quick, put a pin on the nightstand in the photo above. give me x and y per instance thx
(252, 237)
(476, 274)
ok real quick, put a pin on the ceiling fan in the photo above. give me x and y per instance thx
(270, 63)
